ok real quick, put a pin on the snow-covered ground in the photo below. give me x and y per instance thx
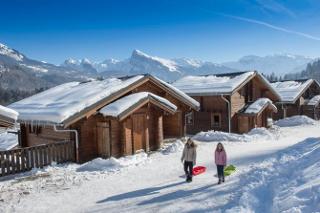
(277, 171)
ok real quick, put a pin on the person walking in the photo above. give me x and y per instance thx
(220, 161)
(188, 158)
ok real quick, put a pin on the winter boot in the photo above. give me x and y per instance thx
(219, 182)
(222, 179)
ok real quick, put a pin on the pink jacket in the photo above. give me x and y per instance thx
(220, 158)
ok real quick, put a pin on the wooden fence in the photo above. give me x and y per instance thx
(24, 159)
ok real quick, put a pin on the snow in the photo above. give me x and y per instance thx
(174, 147)
(8, 141)
(171, 65)
(9, 113)
(121, 105)
(256, 134)
(280, 64)
(4, 50)
(290, 90)
(85, 61)
(259, 105)
(281, 174)
(314, 101)
(113, 164)
(297, 120)
(179, 92)
(59, 103)
(210, 84)
(287, 182)
(35, 68)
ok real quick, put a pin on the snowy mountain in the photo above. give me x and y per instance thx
(279, 64)
(18, 72)
(312, 70)
(84, 65)
(139, 62)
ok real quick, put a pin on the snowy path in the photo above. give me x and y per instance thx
(268, 180)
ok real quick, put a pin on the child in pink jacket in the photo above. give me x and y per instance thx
(221, 161)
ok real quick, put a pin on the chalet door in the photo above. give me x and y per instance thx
(138, 130)
(103, 139)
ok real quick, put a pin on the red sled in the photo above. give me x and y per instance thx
(198, 170)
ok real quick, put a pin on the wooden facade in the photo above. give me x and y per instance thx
(143, 129)
(214, 109)
(248, 122)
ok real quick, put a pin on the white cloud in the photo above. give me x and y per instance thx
(274, 6)
(271, 26)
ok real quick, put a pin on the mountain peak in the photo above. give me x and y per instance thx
(71, 61)
(85, 61)
(138, 55)
(11, 53)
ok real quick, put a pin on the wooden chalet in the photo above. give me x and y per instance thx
(298, 97)
(225, 99)
(112, 117)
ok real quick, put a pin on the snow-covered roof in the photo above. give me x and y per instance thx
(63, 102)
(314, 101)
(211, 84)
(290, 91)
(179, 92)
(6, 112)
(222, 84)
(124, 104)
(260, 104)
(59, 103)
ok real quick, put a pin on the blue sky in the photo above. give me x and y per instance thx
(215, 30)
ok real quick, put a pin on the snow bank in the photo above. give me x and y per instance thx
(8, 141)
(112, 164)
(120, 106)
(254, 135)
(263, 134)
(288, 182)
(219, 136)
(297, 120)
(177, 146)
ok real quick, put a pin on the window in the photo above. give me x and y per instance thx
(189, 118)
(34, 129)
(216, 120)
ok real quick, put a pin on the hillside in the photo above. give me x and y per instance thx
(280, 64)
(311, 71)
(21, 76)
